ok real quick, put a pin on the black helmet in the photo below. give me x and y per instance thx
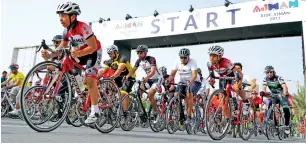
(269, 68)
(142, 48)
(184, 52)
(57, 38)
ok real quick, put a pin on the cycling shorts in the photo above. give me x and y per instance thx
(194, 88)
(155, 83)
(92, 62)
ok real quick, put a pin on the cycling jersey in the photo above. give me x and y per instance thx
(80, 33)
(257, 100)
(274, 84)
(185, 71)
(223, 68)
(114, 64)
(147, 64)
(16, 77)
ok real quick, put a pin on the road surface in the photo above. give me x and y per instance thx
(17, 131)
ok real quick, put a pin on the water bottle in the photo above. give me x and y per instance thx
(79, 80)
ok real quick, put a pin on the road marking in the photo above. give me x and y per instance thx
(13, 125)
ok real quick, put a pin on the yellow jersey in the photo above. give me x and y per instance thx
(16, 77)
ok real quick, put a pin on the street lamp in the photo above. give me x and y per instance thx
(227, 3)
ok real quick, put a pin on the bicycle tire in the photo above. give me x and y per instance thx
(207, 116)
(67, 102)
(152, 125)
(169, 108)
(109, 111)
(240, 130)
(134, 103)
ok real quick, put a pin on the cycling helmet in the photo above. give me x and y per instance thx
(163, 69)
(269, 68)
(13, 66)
(199, 71)
(142, 48)
(112, 48)
(184, 52)
(57, 38)
(68, 8)
(217, 50)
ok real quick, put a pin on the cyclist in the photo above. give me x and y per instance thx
(202, 90)
(89, 52)
(17, 77)
(3, 78)
(224, 67)
(167, 83)
(277, 85)
(259, 109)
(246, 78)
(187, 69)
(154, 77)
(121, 67)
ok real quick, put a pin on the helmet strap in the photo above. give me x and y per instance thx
(72, 24)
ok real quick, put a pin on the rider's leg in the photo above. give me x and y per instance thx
(125, 89)
(194, 88)
(15, 95)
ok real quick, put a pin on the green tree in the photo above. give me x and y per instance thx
(299, 101)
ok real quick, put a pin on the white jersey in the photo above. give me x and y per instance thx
(185, 71)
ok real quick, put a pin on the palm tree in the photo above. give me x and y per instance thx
(299, 101)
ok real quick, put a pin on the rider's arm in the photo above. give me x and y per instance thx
(122, 64)
(284, 86)
(7, 81)
(173, 72)
(90, 39)
(264, 85)
(137, 63)
(153, 68)
(104, 68)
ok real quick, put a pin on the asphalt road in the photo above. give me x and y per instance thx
(17, 131)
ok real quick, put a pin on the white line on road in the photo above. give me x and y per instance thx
(13, 125)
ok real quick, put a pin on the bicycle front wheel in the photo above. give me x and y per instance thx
(48, 100)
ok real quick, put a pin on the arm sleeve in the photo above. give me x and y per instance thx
(86, 31)
(194, 65)
(137, 63)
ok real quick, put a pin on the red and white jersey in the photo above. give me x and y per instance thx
(223, 68)
(80, 33)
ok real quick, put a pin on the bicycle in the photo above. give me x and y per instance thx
(176, 112)
(63, 72)
(275, 120)
(137, 110)
(7, 103)
(237, 119)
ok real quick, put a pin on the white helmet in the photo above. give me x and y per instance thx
(111, 48)
(68, 8)
(217, 50)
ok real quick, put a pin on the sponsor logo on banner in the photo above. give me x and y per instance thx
(277, 9)
(129, 28)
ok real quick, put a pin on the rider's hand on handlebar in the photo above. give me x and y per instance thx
(45, 54)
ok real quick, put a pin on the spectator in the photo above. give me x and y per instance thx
(4, 77)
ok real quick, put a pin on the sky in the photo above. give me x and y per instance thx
(25, 23)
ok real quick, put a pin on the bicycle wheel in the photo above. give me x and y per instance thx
(4, 105)
(213, 114)
(247, 126)
(65, 103)
(280, 123)
(160, 125)
(173, 115)
(72, 118)
(270, 123)
(109, 95)
(129, 122)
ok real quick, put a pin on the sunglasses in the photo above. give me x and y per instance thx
(56, 42)
(140, 52)
(183, 57)
(269, 72)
